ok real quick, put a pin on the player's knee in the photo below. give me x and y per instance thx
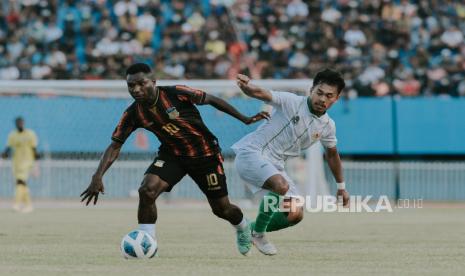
(295, 217)
(221, 211)
(281, 186)
(145, 194)
(152, 186)
(277, 184)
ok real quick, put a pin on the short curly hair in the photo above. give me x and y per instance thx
(330, 77)
(138, 68)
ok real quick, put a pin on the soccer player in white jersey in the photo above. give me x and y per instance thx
(296, 123)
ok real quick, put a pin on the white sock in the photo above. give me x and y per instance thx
(242, 225)
(149, 228)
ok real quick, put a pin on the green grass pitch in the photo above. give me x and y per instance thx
(85, 241)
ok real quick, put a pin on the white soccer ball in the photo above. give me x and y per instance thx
(138, 244)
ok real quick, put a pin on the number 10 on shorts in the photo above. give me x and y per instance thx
(212, 180)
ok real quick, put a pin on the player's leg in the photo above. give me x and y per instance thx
(19, 191)
(224, 209)
(160, 177)
(209, 175)
(278, 187)
(26, 197)
(260, 174)
(152, 186)
(269, 213)
(284, 219)
(23, 197)
(292, 208)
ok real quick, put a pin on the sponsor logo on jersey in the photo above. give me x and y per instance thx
(159, 163)
(172, 113)
(295, 119)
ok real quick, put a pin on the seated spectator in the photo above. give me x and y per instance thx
(407, 86)
(452, 38)
(377, 45)
(146, 24)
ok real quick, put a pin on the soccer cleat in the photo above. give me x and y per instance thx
(27, 209)
(263, 245)
(157, 254)
(244, 240)
(17, 207)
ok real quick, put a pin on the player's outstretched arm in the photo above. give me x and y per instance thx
(334, 163)
(96, 184)
(225, 107)
(252, 90)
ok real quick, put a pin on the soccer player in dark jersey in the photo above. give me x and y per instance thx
(187, 147)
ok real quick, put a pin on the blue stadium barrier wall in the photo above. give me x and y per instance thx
(431, 126)
(364, 125)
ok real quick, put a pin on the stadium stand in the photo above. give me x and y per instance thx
(383, 47)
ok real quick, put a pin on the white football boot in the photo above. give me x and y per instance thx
(262, 244)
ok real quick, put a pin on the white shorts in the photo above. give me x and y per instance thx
(255, 169)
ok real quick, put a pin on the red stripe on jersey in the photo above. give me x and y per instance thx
(219, 170)
(157, 115)
(146, 121)
(186, 88)
(118, 130)
(142, 117)
(153, 127)
(220, 157)
(198, 94)
(183, 98)
(166, 103)
(206, 149)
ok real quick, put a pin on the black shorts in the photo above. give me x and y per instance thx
(207, 172)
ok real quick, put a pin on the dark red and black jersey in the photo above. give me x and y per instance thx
(174, 119)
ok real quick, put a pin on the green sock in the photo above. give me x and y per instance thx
(278, 221)
(264, 216)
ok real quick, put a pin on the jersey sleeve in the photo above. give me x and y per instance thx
(127, 125)
(284, 100)
(188, 94)
(328, 139)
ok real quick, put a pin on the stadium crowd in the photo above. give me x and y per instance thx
(382, 46)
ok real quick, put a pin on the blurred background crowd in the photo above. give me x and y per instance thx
(382, 47)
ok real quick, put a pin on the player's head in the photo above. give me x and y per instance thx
(327, 87)
(141, 83)
(19, 123)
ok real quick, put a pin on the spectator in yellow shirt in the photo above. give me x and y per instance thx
(23, 143)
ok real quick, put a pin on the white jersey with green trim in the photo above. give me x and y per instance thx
(291, 129)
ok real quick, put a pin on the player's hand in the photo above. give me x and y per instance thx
(257, 117)
(92, 192)
(243, 82)
(344, 195)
